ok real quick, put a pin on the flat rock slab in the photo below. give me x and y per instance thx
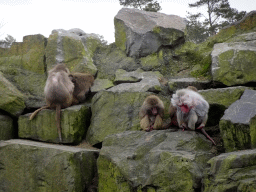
(74, 124)
(243, 109)
(32, 166)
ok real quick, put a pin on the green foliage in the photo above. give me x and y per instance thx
(146, 5)
(220, 14)
(7, 42)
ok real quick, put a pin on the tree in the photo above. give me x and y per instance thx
(7, 42)
(146, 5)
(196, 31)
(219, 14)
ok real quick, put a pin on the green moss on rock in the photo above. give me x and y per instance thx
(235, 136)
(120, 34)
(11, 99)
(152, 62)
(116, 112)
(6, 127)
(110, 177)
(45, 167)
(74, 123)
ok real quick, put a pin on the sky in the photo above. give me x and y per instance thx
(19, 18)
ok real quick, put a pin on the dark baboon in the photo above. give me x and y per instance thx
(83, 83)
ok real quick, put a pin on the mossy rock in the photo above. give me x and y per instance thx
(7, 130)
(45, 167)
(11, 99)
(233, 171)
(116, 112)
(74, 124)
(160, 160)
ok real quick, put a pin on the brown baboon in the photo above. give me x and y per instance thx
(151, 113)
(83, 83)
(58, 92)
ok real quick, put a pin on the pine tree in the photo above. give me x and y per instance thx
(219, 14)
(146, 5)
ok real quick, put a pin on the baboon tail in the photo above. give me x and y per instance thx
(58, 108)
(37, 111)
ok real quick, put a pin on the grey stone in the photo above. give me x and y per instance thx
(235, 171)
(141, 33)
(170, 161)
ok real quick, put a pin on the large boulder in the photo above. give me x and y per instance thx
(234, 63)
(11, 99)
(141, 33)
(235, 171)
(238, 124)
(24, 66)
(74, 124)
(115, 112)
(73, 47)
(160, 160)
(32, 166)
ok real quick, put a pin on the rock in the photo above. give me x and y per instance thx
(123, 76)
(114, 112)
(220, 99)
(6, 127)
(74, 124)
(141, 33)
(24, 66)
(101, 84)
(223, 96)
(32, 166)
(142, 81)
(234, 63)
(174, 84)
(73, 47)
(11, 99)
(108, 59)
(238, 124)
(235, 171)
(160, 160)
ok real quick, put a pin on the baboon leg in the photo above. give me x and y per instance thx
(144, 123)
(158, 122)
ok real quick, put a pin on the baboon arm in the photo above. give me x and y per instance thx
(37, 111)
(158, 122)
(144, 123)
